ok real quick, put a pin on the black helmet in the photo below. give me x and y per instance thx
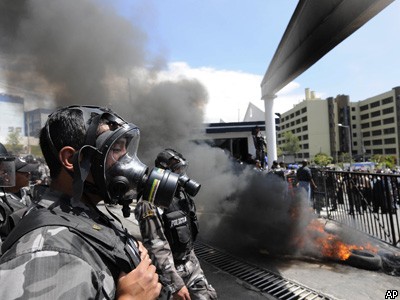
(172, 160)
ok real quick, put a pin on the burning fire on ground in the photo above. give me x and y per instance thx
(327, 245)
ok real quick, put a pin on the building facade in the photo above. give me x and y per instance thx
(15, 119)
(12, 116)
(309, 122)
(375, 124)
(335, 126)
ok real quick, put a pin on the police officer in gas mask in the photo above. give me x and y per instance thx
(169, 232)
(65, 247)
(15, 193)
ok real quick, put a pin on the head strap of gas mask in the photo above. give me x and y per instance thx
(92, 116)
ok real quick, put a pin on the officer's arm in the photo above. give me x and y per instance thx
(155, 241)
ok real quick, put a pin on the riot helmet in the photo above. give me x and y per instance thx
(169, 159)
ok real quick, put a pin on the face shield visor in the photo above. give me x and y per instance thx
(124, 173)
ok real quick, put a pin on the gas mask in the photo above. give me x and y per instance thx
(125, 176)
(7, 168)
(119, 176)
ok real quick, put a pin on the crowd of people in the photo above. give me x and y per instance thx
(360, 190)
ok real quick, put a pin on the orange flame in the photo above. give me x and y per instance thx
(329, 245)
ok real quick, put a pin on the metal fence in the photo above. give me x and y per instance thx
(369, 202)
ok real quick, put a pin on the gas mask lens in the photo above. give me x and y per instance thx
(126, 145)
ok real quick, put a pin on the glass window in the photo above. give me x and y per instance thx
(390, 151)
(375, 104)
(376, 123)
(376, 132)
(366, 134)
(388, 130)
(388, 110)
(388, 121)
(376, 142)
(364, 125)
(376, 113)
(390, 141)
(387, 100)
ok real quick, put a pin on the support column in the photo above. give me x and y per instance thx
(270, 129)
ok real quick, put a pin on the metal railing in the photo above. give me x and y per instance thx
(369, 202)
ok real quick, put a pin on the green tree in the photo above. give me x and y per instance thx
(323, 159)
(390, 161)
(279, 151)
(291, 143)
(36, 151)
(14, 145)
(383, 161)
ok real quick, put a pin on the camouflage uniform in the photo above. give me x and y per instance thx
(177, 266)
(60, 262)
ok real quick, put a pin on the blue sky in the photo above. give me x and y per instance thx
(228, 45)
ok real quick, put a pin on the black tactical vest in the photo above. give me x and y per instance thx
(9, 213)
(181, 225)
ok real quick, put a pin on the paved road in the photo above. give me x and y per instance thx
(336, 280)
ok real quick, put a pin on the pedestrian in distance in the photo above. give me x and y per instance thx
(15, 199)
(305, 180)
(259, 145)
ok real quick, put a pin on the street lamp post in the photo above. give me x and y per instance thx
(349, 139)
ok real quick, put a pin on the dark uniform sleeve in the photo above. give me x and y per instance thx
(151, 229)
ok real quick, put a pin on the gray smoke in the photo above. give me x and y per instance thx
(81, 52)
(69, 48)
